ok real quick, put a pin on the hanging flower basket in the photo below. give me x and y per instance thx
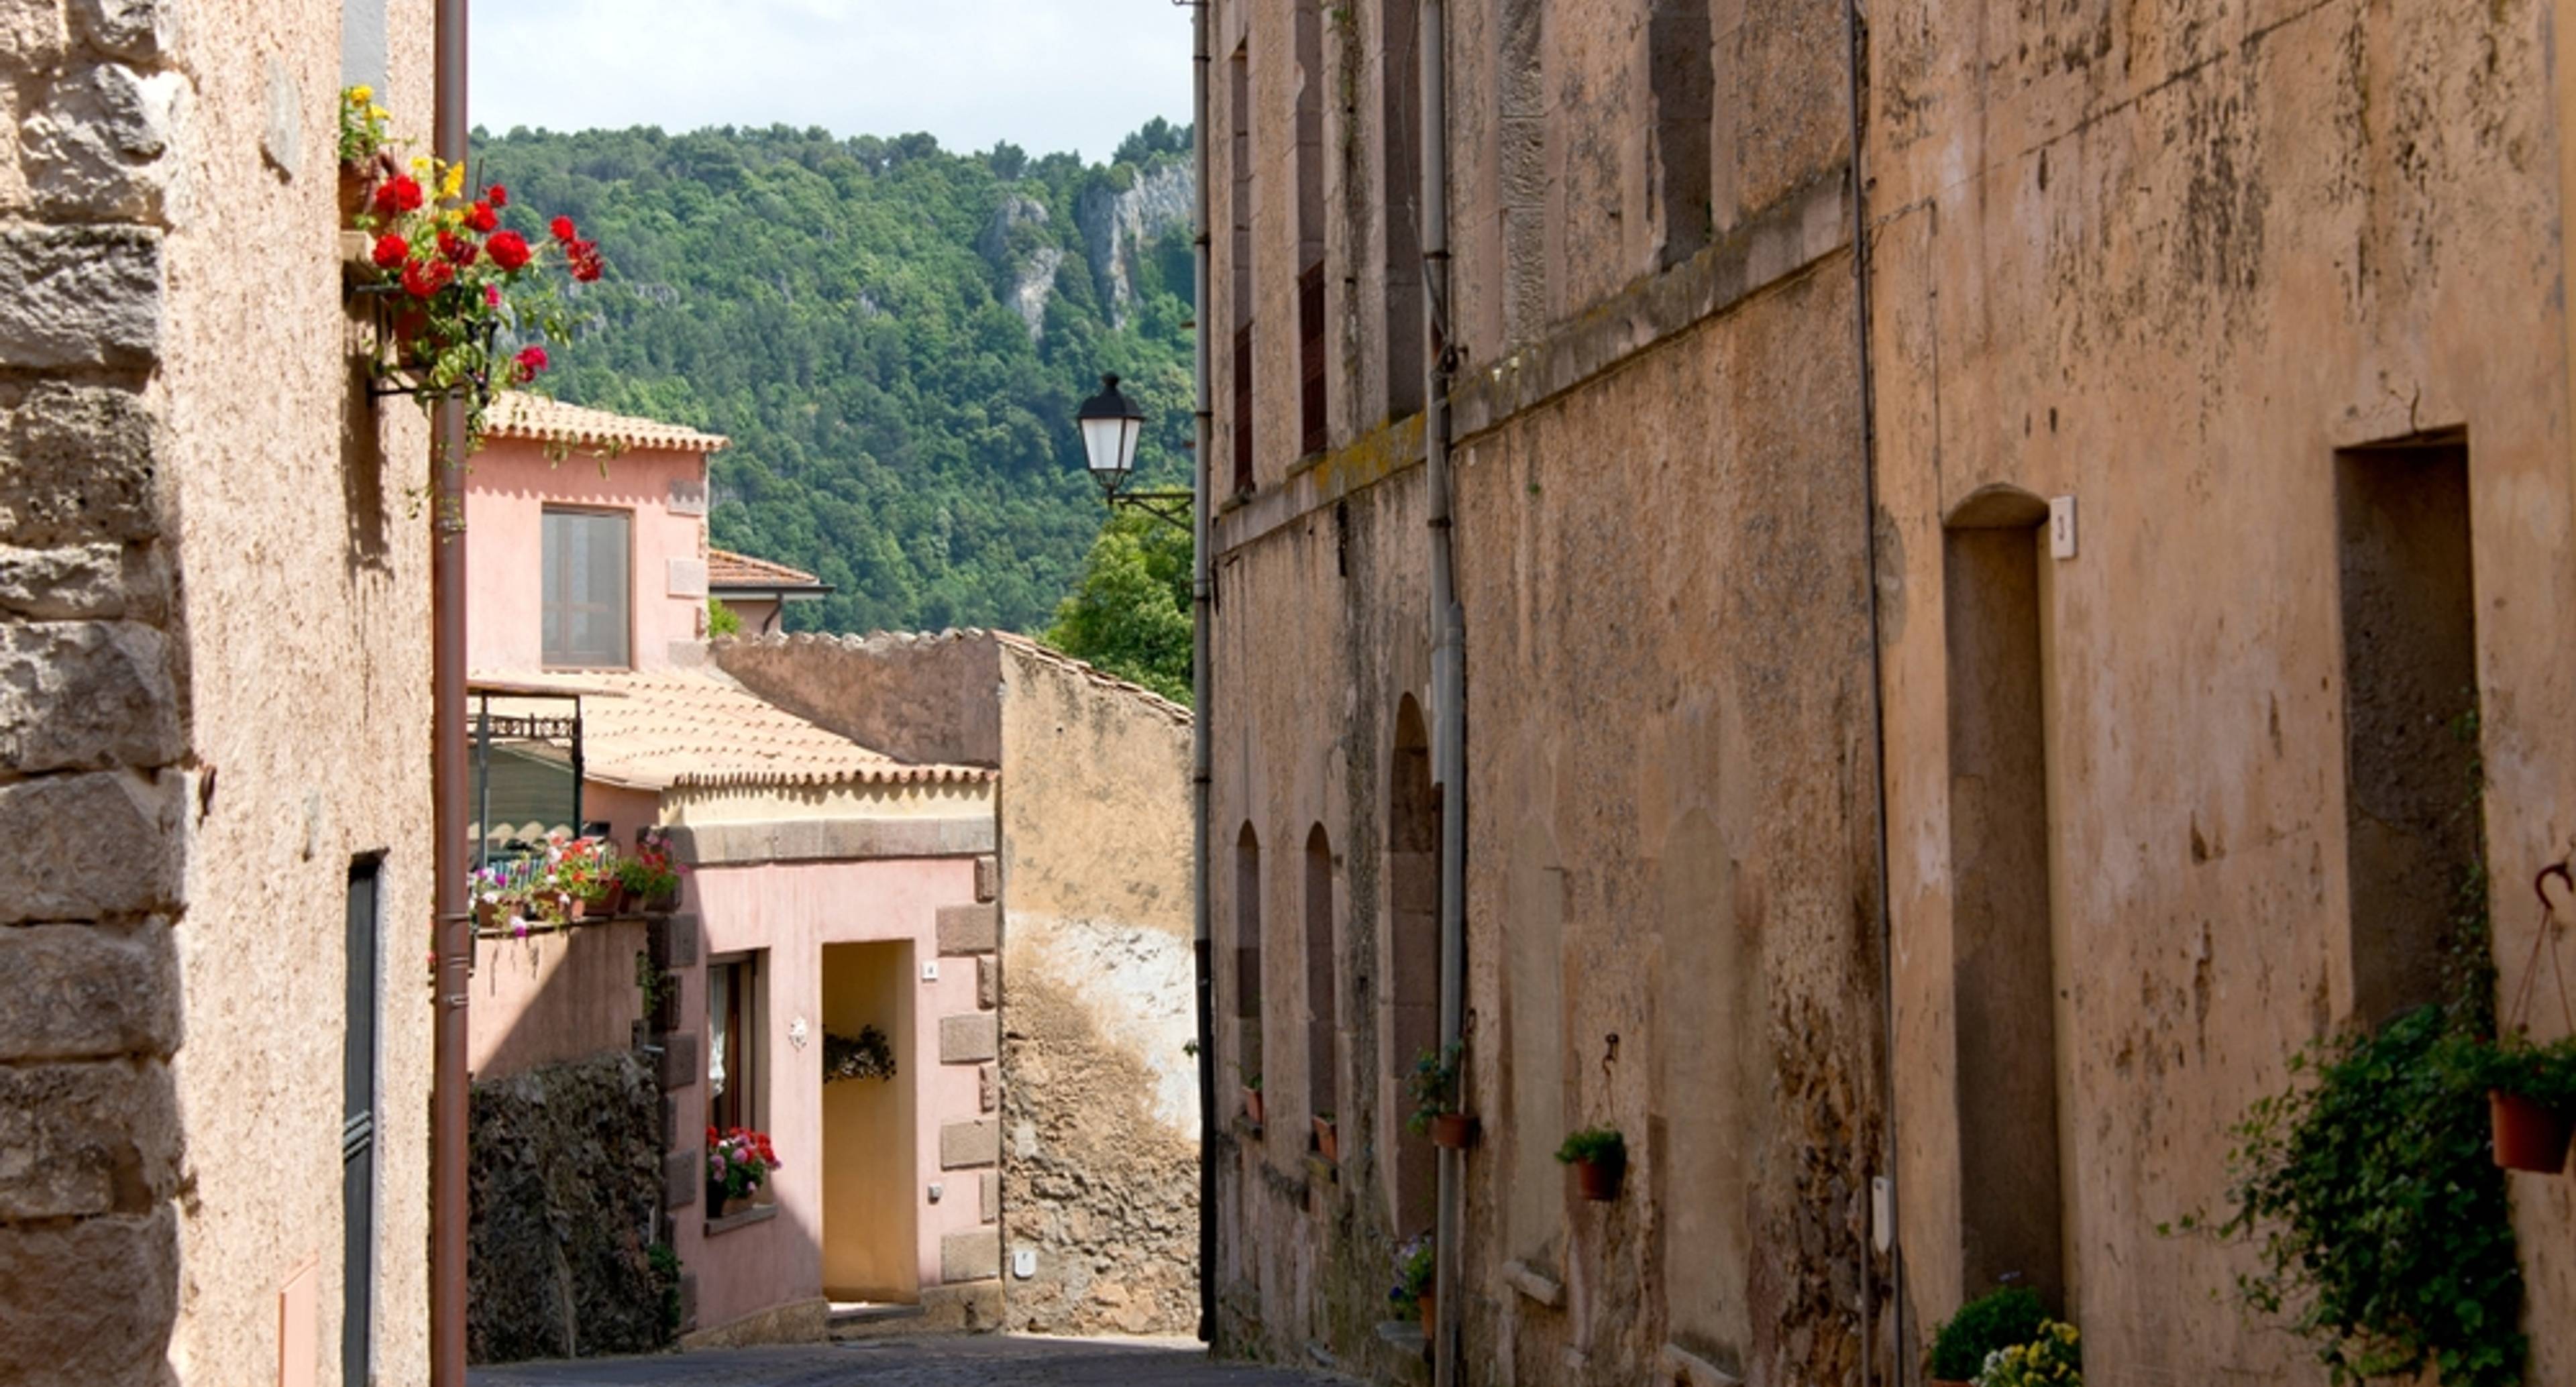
(1455, 1131)
(2529, 1134)
(452, 289)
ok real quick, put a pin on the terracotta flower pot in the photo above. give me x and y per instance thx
(2528, 1135)
(1454, 1130)
(613, 900)
(1430, 1307)
(487, 915)
(1599, 1180)
(663, 902)
(354, 187)
(1252, 1106)
(1327, 1141)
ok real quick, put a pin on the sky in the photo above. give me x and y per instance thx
(1046, 75)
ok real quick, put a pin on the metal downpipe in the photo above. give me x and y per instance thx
(452, 936)
(1202, 442)
(1448, 658)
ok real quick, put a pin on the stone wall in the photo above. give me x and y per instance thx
(193, 535)
(1100, 1166)
(567, 1196)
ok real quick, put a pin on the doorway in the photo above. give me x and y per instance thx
(870, 1120)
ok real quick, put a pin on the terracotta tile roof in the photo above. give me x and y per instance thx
(650, 731)
(727, 569)
(517, 415)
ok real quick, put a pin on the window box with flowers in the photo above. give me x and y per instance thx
(462, 305)
(738, 1164)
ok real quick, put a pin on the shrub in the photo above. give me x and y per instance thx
(1597, 1145)
(2054, 1357)
(1999, 1319)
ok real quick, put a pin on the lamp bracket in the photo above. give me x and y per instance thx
(1171, 507)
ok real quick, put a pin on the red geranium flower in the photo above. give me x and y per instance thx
(460, 249)
(399, 193)
(424, 278)
(583, 257)
(479, 217)
(509, 250)
(497, 195)
(531, 360)
(391, 251)
(492, 295)
(562, 228)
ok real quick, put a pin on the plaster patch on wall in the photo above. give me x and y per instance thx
(1138, 985)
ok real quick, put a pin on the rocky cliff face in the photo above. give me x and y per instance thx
(1118, 226)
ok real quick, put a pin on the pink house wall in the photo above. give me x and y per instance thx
(553, 997)
(511, 484)
(793, 910)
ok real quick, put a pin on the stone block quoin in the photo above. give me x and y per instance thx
(93, 725)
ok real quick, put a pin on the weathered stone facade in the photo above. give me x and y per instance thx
(1087, 1164)
(1738, 501)
(200, 524)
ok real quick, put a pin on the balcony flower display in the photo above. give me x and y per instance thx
(650, 874)
(738, 1164)
(458, 294)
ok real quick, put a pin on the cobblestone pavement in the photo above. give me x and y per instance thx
(981, 1360)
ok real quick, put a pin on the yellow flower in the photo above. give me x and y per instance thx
(454, 183)
(380, 113)
(420, 166)
(361, 95)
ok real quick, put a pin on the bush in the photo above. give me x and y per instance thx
(2001, 1318)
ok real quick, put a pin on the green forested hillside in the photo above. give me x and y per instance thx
(855, 314)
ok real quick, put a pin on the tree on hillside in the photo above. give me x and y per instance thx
(1129, 612)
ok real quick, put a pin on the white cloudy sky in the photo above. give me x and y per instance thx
(1046, 75)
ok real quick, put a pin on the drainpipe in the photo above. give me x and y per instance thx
(1448, 657)
(452, 935)
(1856, 36)
(1202, 591)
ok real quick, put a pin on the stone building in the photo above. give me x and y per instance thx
(1921, 887)
(215, 1040)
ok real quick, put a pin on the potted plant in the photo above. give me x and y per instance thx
(1599, 1156)
(738, 1164)
(2531, 1101)
(1435, 1087)
(1999, 1319)
(650, 874)
(2053, 1357)
(453, 288)
(1416, 1265)
(365, 150)
(1327, 1138)
(1252, 1099)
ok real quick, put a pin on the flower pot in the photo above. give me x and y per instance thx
(487, 915)
(613, 901)
(663, 902)
(1454, 1130)
(1599, 1180)
(354, 187)
(2528, 1135)
(1430, 1307)
(1327, 1141)
(1252, 1106)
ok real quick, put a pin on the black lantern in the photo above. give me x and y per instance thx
(1111, 424)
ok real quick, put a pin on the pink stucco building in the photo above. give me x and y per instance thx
(832, 889)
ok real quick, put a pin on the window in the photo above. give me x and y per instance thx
(2004, 940)
(1239, 108)
(2413, 819)
(588, 583)
(1400, 136)
(1314, 433)
(358, 1130)
(733, 1042)
(1247, 955)
(1323, 982)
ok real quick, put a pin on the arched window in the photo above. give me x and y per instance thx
(1247, 956)
(1412, 1022)
(1323, 981)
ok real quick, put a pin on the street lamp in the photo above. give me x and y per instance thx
(1111, 423)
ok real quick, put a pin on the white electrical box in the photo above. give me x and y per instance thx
(936, 1190)
(930, 970)
(2061, 527)
(1024, 1262)
(1882, 1213)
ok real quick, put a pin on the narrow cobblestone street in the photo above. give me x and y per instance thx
(989, 1360)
